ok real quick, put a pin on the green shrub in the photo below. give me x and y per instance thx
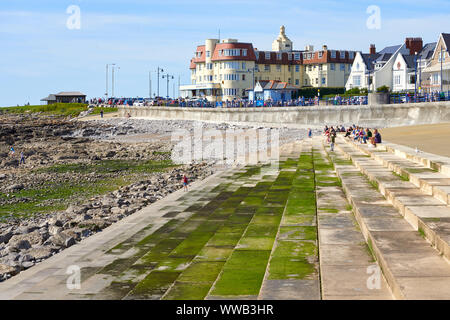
(383, 89)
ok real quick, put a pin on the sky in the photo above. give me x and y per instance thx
(45, 50)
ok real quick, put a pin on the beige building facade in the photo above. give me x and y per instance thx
(222, 71)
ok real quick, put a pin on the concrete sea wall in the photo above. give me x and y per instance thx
(385, 115)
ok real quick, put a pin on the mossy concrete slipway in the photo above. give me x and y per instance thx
(319, 225)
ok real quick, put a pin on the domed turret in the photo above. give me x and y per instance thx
(282, 43)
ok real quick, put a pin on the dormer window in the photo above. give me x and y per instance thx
(267, 55)
(279, 56)
(333, 54)
(320, 54)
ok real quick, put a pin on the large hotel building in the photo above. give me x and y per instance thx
(222, 71)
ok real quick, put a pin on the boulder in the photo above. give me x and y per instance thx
(17, 245)
(39, 253)
(5, 269)
(33, 238)
(5, 237)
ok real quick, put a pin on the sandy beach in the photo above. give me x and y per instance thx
(432, 138)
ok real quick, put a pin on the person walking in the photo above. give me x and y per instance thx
(22, 158)
(309, 133)
(185, 183)
(333, 140)
(101, 113)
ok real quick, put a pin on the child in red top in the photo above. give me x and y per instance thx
(185, 183)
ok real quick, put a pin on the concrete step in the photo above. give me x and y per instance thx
(413, 269)
(345, 261)
(432, 161)
(426, 213)
(429, 180)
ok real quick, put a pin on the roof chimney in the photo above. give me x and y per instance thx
(324, 47)
(373, 49)
(414, 45)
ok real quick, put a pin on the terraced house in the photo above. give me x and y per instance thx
(222, 71)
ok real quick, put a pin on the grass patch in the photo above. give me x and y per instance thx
(402, 176)
(108, 166)
(54, 197)
(58, 109)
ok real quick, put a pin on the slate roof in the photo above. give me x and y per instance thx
(369, 59)
(275, 85)
(51, 97)
(446, 38)
(70, 94)
(427, 51)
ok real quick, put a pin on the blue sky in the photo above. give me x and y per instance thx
(40, 55)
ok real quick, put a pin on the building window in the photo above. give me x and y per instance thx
(320, 67)
(349, 67)
(289, 80)
(297, 68)
(306, 82)
(351, 55)
(342, 54)
(332, 67)
(208, 54)
(397, 80)
(317, 80)
(243, 65)
(356, 80)
(244, 52)
(297, 56)
(257, 55)
(266, 67)
(435, 78)
(243, 77)
(342, 67)
(289, 56)
(267, 55)
(333, 53)
(320, 54)
(278, 67)
(309, 68)
(215, 77)
(310, 55)
(297, 82)
(323, 81)
(279, 56)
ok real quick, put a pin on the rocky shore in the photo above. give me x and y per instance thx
(63, 152)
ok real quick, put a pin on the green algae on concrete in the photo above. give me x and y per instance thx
(214, 254)
(187, 291)
(242, 274)
(293, 259)
(256, 243)
(154, 285)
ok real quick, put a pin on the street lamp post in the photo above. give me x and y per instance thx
(159, 70)
(168, 77)
(113, 79)
(415, 77)
(442, 58)
(107, 66)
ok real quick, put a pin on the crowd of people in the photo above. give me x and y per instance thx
(346, 101)
(362, 135)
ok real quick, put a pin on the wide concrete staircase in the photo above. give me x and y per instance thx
(401, 201)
